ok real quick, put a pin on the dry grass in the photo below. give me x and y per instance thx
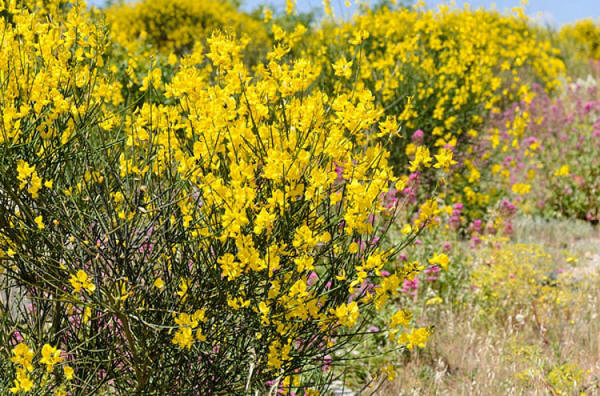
(560, 237)
(551, 350)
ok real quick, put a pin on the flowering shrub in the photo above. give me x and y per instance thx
(585, 35)
(546, 153)
(175, 26)
(226, 234)
(438, 74)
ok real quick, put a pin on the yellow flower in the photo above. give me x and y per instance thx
(87, 314)
(68, 370)
(230, 267)
(563, 171)
(343, 68)
(347, 314)
(434, 300)
(406, 229)
(304, 263)
(81, 281)
(401, 318)
(22, 382)
(290, 6)
(40, 222)
(422, 157)
(267, 15)
(159, 283)
(183, 289)
(440, 259)
(24, 171)
(416, 337)
(27, 174)
(184, 338)
(50, 356)
(327, 8)
(444, 159)
(521, 189)
(22, 355)
(263, 308)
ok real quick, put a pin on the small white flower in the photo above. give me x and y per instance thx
(520, 318)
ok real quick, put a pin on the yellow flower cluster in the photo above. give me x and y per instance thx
(174, 26)
(187, 323)
(585, 34)
(22, 357)
(462, 58)
(80, 281)
(522, 274)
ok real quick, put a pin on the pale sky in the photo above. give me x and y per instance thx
(553, 11)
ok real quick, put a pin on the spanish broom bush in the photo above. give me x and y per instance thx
(225, 233)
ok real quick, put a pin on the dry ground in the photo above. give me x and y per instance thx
(527, 354)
